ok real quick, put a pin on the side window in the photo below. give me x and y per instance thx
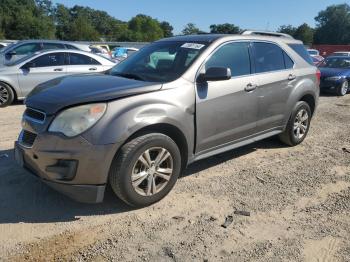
(234, 56)
(54, 59)
(268, 57)
(288, 61)
(78, 59)
(52, 46)
(27, 49)
(72, 47)
(302, 52)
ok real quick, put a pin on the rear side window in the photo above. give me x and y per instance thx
(288, 61)
(27, 49)
(234, 56)
(78, 59)
(72, 47)
(301, 50)
(54, 59)
(51, 46)
(268, 57)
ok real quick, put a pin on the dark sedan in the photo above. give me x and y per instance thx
(335, 74)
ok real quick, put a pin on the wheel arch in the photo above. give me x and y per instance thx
(169, 130)
(15, 93)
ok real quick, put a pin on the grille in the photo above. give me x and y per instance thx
(35, 115)
(28, 138)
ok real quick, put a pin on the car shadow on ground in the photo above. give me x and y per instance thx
(24, 198)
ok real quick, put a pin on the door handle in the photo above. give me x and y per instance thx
(93, 69)
(292, 77)
(58, 69)
(250, 87)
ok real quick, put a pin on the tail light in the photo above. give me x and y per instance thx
(318, 77)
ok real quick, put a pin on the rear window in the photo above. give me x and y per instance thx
(301, 50)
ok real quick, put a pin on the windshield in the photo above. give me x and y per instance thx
(160, 62)
(336, 62)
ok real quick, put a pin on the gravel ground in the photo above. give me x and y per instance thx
(298, 199)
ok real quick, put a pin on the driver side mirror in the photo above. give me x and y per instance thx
(28, 65)
(10, 54)
(215, 74)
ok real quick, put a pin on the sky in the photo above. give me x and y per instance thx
(253, 14)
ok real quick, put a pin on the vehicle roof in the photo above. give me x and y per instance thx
(210, 38)
(55, 51)
(47, 41)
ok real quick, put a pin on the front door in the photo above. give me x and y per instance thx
(226, 111)
(40, 70)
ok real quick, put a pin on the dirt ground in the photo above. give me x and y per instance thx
(298, 199)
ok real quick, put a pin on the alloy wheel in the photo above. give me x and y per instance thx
(344, 88)
(4, 95)
(152, 171)
(301, 124)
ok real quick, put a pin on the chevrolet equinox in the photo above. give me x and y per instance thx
(176, 101)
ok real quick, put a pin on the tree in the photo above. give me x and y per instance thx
(224, 29)
(304, 33)
(82, 30)
(333, 25)
(167, 29)
(191, 29)
(287, 29)
(145, 28)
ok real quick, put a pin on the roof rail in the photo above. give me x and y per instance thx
(266, 33)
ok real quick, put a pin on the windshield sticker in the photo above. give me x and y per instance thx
(193, 46)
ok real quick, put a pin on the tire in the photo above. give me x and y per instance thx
(6, 95)
(291, 136)
(343, 88)
(127, 167)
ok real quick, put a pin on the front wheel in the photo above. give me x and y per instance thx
(6, 95)
(145, 169)
(298, 125)
(343, 88)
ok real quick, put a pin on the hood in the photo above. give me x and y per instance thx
(328, 72)
(59, 93)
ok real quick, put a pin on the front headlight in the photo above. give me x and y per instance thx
(74, 121)
(334, 78)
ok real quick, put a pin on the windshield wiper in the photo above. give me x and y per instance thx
(130, 76)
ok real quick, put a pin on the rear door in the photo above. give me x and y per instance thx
(226, 111)
(41, 69)
(80, 64)
(275, 74)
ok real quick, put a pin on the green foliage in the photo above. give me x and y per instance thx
(145, 28)
(305, 33)
(287, 29)
(333, 25)
(191, 29)
(225, 29)
(35, 19)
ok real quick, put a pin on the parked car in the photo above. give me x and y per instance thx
(335, 74)
(28, 47)
(341, 53)
(313, 52)
(139, 125)
(317, 60)
(18, 79)
(315, 56)
(2, 45)
(100, 51)
(121, 53)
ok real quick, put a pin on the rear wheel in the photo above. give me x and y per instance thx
(298, 125)
(343, 88)
(145, 169)
(6, 95)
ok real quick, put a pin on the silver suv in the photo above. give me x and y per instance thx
(176, 101)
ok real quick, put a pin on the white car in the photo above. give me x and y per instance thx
(313, 52)
(19, 78)
(341, 53)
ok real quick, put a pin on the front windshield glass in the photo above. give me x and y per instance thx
(336, 62)
(160, 62)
